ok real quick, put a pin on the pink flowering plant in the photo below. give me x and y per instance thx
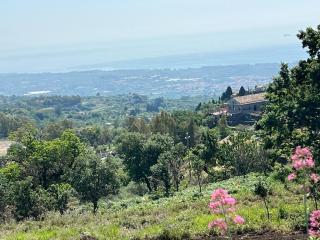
(303, 166)
(224, 205)
(314, 230)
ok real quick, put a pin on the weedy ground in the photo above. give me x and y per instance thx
(184, 215)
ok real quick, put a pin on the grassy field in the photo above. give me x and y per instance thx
(182, 216)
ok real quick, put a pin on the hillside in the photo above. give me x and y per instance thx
(183, 216)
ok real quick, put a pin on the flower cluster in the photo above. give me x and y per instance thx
(302, 158)
(303, 170)
(314, 230)
(223, 203)
(302, 162)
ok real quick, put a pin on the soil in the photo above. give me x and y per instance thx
(274, 236)
(262, 236)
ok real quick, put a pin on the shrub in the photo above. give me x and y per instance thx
(61, 194)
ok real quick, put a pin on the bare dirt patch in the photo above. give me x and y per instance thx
(274, 235)
(261, 236)
(4, 145)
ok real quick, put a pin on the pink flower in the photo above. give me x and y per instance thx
(229, 201)
(298, 164)
(302, 158)
(302, 153)
(309, 163)
(220, 224)
(315, 177)
(214, 205)
(314, 230)
(222, 203)
(238, 220)
(219, 194)
(292, 176)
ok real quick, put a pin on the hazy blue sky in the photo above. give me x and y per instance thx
(112, 30)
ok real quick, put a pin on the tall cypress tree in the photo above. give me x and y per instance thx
(242, 91)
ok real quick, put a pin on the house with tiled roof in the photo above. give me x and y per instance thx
(252, 103)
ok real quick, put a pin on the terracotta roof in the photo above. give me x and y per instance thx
(252, 98)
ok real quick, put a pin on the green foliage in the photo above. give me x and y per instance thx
(10, 123)
(280, 172)
(243, 153)
(60, 194)
(94, 178)
(292, 116)
(185, 214)
(168, 169)
(55, 130)
(30, 202)
(130, 147)
(263, 189)
(223, 127)
(163, 123)
(197, 166)
(208, 148)
(227, 94)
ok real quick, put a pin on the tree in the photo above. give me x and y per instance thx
(130, 148)
(160, 172)
(176, 162)
(140, 154)
(209, 150)
(10, 123)
(9, 176)
(242, 91)
(94, 178)
(197, 165)
(163, 123)
(139, 125)
(91, 135)
(47, 161)
(227, 94)
(30, 201)
(199, 107)
(223, 127)
(152, 149)
(292, 116)
(239, 153)
(168, 169)
(55, 130)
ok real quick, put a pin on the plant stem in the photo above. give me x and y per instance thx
(267, 208)
(225, 218)
(305, 210)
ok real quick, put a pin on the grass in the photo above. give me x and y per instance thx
(183, 215)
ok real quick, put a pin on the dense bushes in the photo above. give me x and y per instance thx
(40, 175)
